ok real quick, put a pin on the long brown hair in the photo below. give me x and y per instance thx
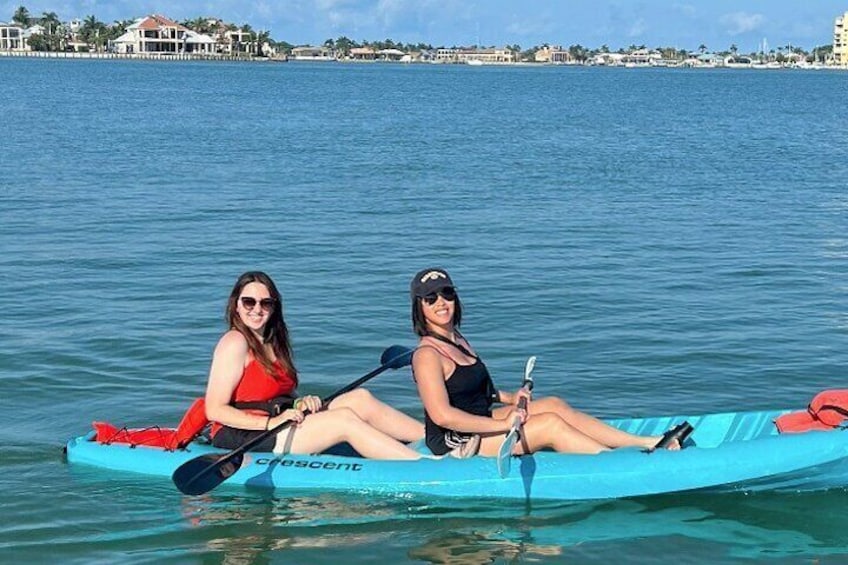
(276, 333)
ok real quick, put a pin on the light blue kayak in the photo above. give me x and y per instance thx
(727, 452)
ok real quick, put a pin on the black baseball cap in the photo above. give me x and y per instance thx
(428, 281)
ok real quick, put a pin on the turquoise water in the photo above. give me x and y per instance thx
(665, 241)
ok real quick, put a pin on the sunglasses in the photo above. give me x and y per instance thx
(448, 293)
(249, 303)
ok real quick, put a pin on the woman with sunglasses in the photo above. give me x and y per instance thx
(458, 393)
(252, 384)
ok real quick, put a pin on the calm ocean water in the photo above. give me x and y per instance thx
(665, 241)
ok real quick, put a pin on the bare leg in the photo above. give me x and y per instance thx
(380, 415)
(589, 425)
(326, 429)
(542, 431)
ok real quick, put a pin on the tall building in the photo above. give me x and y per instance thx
(840, 41)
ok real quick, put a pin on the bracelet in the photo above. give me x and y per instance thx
(297, 403)
(267, 422)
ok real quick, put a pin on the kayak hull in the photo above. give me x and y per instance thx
(726, 453)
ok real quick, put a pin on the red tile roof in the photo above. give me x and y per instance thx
(155, 21)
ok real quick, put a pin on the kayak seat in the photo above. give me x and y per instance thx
(171, 439)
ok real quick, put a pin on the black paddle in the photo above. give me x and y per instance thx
(204, 473)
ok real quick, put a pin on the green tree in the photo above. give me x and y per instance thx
(38, 42)
(116, 29)
(578, 52)
(21, 17)
(528, 54)
(93, 32)
(50, 21)
(52, 31)
(262, 37)
(200, 24)
(340, 46)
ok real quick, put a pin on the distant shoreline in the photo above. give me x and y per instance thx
(252, 59)
(135, 56)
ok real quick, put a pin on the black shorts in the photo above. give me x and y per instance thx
(231, 438)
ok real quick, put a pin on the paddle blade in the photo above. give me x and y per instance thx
(396, 356)
(505, 453)
(204, 473)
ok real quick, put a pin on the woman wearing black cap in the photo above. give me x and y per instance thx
(458, 392)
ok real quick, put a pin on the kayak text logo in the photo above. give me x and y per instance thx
(300, 464)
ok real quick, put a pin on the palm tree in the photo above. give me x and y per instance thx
(702, 48)
(117, 29)
(93, 31)
(262, 38)
(51, 23)
(21, 17)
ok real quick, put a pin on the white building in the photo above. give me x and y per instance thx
(840, 41)
(158, 34)
(12, 37)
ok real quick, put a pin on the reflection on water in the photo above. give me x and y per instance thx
(480, 547)
(714, 527)
(254, 526)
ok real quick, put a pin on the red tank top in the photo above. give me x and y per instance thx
(256, 385)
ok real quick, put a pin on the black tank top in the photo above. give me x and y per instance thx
(469, 388)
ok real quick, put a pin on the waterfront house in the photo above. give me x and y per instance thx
(237, 41)
(12, 37)
(703, 61)
(309, 53)
(158, 34)
(642, 58)
(738, 62)
(840, 41)
(556, 55)
(475, 56)
(608, 60)
(362, 54)
(390, 54)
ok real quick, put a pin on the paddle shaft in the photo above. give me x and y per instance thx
(508, 444)
(522, 403)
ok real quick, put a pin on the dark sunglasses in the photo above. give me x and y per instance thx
(249, 303)
(448, 293)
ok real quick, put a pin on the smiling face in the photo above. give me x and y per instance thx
(254, 306)
(439, 314)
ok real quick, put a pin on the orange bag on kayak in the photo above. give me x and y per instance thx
(189, 428)
(827, 410)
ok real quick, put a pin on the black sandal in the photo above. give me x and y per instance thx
(679, 432)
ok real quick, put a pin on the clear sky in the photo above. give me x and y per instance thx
(685, 24)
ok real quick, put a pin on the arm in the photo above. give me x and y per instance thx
(430, 379)
(228, 363)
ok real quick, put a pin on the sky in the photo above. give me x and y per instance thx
(684, 24)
